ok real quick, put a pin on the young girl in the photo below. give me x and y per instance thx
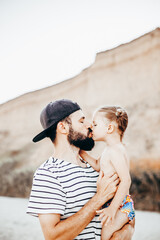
(109, 125)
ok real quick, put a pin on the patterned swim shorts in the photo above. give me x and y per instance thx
(127, 206)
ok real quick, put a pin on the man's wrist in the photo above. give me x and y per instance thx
(99, 200)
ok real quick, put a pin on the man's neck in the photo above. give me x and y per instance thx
(63, 150)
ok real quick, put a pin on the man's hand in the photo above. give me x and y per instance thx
(106, 187)
(125, 233)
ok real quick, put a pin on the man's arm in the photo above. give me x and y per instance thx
(69, 228)
(125, 233)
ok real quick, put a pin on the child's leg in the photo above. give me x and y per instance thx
(119, 221)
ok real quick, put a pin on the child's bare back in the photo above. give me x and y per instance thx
(106, 158)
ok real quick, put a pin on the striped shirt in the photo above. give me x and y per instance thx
(64, 188)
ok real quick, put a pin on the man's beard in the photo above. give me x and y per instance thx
(80, 140)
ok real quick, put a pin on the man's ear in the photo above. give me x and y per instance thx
(110, 128)
(61, 128)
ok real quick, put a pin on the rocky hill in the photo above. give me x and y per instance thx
(128, 75)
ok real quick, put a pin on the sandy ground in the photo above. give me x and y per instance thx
(15, 224)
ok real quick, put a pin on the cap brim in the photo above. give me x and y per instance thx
(40, 136)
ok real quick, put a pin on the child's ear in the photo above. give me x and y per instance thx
(61, 128)
(110, 128)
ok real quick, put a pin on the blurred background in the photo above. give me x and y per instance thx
(93, 52)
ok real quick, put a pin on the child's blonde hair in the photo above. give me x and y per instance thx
(117, 114)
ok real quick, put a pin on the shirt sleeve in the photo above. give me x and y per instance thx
(47, 194)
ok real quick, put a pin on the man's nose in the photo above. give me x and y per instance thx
(88, 125)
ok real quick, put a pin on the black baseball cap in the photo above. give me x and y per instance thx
(53, 113)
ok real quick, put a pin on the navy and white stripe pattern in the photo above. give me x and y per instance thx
(64, 188)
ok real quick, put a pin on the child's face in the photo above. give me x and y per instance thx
(100, 125)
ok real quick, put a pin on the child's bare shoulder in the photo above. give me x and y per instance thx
(105, 152)
(117, 151)
(118, 148)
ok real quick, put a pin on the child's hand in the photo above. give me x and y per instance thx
(106, 215)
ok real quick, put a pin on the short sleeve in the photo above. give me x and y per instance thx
(47, 194)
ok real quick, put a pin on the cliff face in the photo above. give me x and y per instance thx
(128, 75)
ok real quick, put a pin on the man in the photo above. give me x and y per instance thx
(65, 193)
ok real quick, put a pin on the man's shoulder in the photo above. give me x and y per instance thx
(52, 165)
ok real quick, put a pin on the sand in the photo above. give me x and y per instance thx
(15, 224)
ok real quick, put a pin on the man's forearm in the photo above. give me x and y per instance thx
(72, 226)
(56, 229)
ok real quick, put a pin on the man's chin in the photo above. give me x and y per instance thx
(88, 145)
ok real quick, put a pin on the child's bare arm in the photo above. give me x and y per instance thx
(120, 165)
(92, 161)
